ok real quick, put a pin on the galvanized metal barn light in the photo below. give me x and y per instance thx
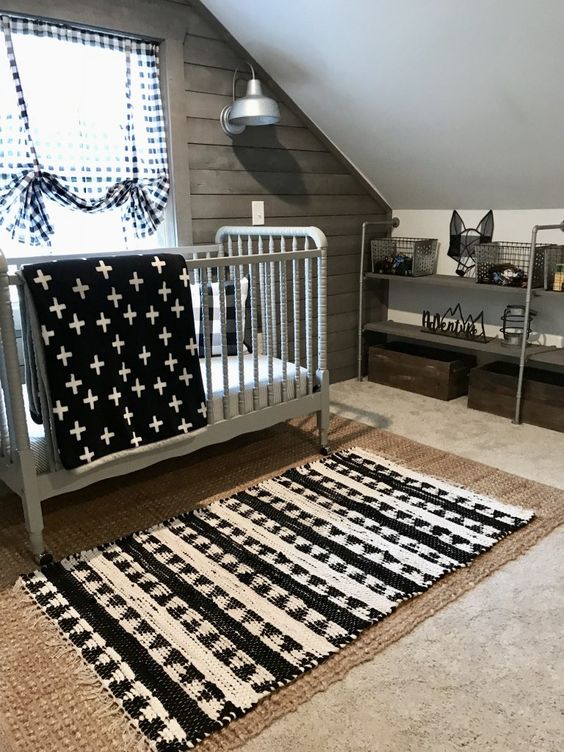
(252, 109)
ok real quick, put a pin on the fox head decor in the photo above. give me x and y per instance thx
(463, 240)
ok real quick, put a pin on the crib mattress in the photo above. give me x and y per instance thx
(39, 443)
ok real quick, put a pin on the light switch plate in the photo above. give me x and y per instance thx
(258, 212)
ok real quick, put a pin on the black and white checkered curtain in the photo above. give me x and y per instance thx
(86, 159)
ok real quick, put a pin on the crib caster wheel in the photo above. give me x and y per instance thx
(324, 451)
(44, 559)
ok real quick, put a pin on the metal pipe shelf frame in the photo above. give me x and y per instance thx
(523, 354)
(383, 224)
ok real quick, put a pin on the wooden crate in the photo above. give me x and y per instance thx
(493, 388)
(417, 368)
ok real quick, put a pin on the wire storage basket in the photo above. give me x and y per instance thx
(554, 268)
(504, 263)
(406, 257)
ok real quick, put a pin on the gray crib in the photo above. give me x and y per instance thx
(284, 376)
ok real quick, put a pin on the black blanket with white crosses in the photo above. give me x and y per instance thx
(120, 352)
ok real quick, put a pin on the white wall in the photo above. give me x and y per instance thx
(406, 302)
(438, 102)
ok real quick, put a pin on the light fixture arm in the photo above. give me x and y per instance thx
(235, 77)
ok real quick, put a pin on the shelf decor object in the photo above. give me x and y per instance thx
(507, 264)
(464, 240)
(453, 323)
(514, 324)
(554, 268)
(405, 257)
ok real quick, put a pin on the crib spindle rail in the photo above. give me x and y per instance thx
(282, 322)
(288, 336)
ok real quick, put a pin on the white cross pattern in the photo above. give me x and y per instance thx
(159, 386)
(97, 364)
(175, 403)
(73, 384)
(130, 314)
(104, 269)
(177, 308)
(46, 334)
(87, 455)
(127, 416)
(170, 362)
(186, 377)
(90, 399)
(115, 396)
(203, 410)
(144, 355)
(64, 355)
(158, 264)
(60, 410)
(77, 430)
(103, 321)
(136, 440)
(57, 308)
(138, 387)
(42, 279)
(114, 297)
(80, 289)
(118, 343)
(155, 424)
(164, 291)
(185, 277)
(136, 281)
(185, 427)
(192, 347)
(152, 314)
(107, 435)
(124, 371)
(165, 336)
(77, 323)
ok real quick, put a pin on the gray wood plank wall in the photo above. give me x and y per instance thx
(287, 166)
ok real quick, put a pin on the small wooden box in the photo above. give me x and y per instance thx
(493, 388)
(417, 368)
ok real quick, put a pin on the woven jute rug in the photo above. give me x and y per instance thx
(50, 700)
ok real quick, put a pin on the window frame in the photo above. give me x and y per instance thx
(163, 26)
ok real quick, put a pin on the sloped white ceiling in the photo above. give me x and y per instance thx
(440, 103)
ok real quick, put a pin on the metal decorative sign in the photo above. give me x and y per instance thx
(453, 323)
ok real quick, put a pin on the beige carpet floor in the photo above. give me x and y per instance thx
(47, 702)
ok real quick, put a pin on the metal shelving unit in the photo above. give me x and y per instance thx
(551, 358)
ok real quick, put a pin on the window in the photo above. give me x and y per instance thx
(83, 161)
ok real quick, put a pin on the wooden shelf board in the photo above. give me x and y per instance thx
(460, 283)
(536, 354)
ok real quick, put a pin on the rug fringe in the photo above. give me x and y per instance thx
(92, 689)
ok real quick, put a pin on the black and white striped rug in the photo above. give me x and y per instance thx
(189, 624)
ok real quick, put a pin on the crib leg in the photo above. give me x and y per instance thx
(324, 415)
(31, 503)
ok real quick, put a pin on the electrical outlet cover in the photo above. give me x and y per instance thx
(258, 212)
